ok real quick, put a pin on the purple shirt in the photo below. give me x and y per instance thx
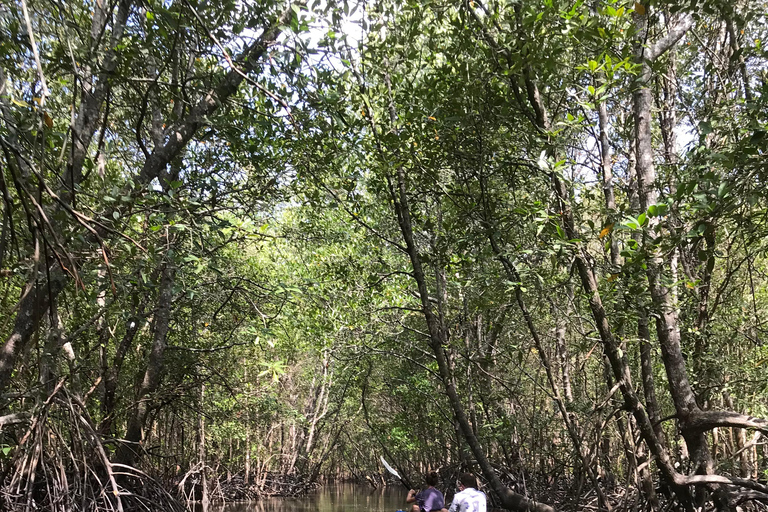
(430, 499)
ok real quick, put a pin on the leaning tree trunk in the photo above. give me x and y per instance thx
(437, 329)
(617, 358)
(41, 289)
(437, 335)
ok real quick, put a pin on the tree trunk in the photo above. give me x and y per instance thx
(130, 450)
(667, 323)
(509, 499)
(562, 347)
(201, 448)
(42, 289)
(606, 167)
(111, 373)
(39, 290)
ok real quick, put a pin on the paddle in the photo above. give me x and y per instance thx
(394, 473)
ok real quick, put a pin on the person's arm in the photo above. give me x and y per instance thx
(411, 496)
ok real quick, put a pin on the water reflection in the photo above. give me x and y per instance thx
(337, 498)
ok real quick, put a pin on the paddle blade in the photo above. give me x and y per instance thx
(390, 468)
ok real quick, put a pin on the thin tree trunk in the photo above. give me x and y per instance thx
(201, 448)
(733, 39)
(509, 499)
(130, 450)
(606, 166)
(111, 374)
(248, 427)
(561, 331)
(741, 442)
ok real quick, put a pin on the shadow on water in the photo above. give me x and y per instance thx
(336, 498)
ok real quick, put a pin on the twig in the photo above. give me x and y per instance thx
(31, 34)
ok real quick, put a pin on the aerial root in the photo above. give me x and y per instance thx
(60, 464)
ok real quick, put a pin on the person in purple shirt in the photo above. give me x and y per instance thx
(429, 499)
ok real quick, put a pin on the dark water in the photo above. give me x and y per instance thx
(337, 498)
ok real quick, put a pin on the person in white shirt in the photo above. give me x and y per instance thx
(468, 499)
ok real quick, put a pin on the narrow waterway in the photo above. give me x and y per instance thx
(337, 498)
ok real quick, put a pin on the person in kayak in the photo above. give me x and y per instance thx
(468, 499)
(429, 499)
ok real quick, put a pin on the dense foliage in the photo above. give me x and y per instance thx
(268, 243)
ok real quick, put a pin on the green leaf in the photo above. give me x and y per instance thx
(657, 210)
(631, 223)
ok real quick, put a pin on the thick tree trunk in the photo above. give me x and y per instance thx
(54, 342)
(34, 303)
(667, 322)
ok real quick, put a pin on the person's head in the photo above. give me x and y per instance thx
(432, 478)
(467, 480)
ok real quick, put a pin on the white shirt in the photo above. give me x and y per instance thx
(468, 500)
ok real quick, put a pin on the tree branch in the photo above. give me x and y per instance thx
(675, 33)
